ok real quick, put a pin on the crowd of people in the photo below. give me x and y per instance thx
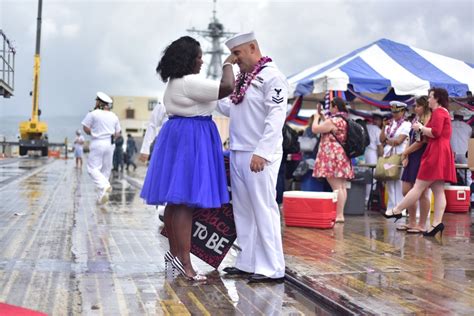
(125, 157)
(186, 168)
(407, 136)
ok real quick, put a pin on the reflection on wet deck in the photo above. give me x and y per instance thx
(367, 263)
(62, 254)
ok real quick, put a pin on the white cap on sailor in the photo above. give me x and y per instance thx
(398, 104)
(104, 97)
(240, 39)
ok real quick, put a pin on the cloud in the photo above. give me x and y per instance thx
(114, 46)
(49, 29)
(70, 30)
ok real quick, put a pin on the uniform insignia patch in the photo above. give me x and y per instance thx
(277, 99)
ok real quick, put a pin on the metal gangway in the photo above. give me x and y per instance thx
(7, 66)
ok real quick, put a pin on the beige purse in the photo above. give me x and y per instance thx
(388, 168)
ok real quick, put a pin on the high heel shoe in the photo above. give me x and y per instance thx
(391, 214)
(179, 266)
(435, 230)
(168, 258)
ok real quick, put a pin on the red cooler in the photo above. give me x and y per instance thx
(458, 198)
(309, 209)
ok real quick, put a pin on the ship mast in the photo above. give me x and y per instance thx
(216, 35)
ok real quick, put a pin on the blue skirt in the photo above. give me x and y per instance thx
(187, 165)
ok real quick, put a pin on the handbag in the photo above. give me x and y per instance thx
(307, 143)
(303, 167)
(388, 168)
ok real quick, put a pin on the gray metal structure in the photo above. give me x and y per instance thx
(7, 66)
(216, 35)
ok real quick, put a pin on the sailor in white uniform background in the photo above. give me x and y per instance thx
(102, 125)
(157, 119)
(256, 123)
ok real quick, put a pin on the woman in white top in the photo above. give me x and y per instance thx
(394, 136)
(186, 168)
(78, 148)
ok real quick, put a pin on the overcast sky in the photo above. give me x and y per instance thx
(114, 45)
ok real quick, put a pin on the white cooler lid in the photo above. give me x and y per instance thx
(310, 194)
(457, 188)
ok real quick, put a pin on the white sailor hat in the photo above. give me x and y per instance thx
(240, 39)
(397, 106)
(104, 97)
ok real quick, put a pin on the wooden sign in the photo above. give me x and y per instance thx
(213, 234)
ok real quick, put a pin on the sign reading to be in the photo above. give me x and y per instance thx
(213, 234)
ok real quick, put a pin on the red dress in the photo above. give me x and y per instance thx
(437, 162)
(332, 161)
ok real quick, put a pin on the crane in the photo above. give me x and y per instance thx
(33, 132)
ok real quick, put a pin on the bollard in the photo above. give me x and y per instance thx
(65, 147)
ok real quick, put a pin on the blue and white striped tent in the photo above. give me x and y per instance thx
(385, 64)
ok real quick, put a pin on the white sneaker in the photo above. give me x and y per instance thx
(104, 195)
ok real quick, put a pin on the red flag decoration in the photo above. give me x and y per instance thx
(293, 117)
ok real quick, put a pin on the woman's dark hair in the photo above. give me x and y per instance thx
(340, 104)
(422, 100)
(179, 58)
(441, 95)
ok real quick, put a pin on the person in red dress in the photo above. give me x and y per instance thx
(437, 163)
(332, 162)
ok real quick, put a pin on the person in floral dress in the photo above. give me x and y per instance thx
(332, 162)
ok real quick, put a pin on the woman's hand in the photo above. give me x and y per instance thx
(319, 109)
(144, 157)
(417, 126)
(227, 83)
(404, 162)
(232, 59)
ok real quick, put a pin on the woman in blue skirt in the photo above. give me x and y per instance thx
(186, 169)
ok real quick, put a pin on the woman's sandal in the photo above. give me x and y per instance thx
(391, 214)
(403, 227)
(415, 230)
(168, 258)
(179, 266)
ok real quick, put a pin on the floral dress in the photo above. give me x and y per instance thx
(331, 161)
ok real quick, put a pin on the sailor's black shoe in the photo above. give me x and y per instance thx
(235, 271)
(258, 278)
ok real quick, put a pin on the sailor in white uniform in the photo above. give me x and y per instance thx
(157, 119)
(257, 111)
(102, 125)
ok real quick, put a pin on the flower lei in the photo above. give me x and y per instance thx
(245, 78)
(394, 130)
(344, 114)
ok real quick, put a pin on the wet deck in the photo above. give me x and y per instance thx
(61, 254)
